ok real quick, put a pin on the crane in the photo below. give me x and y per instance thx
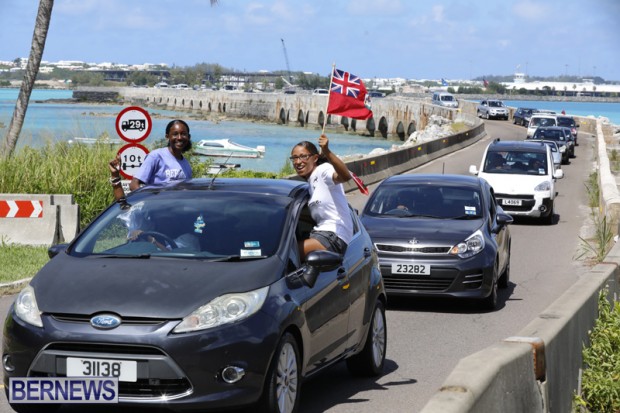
(288, 81)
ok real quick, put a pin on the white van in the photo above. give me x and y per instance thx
(320, 92)
(445, 99)
(540, 119)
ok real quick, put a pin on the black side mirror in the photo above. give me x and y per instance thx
(503, 219)
(54, 250)
(318, 262)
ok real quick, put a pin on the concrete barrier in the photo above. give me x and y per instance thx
(38, 219)
(514, 376)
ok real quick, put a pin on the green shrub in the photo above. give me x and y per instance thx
(600, 387)
(20, 261)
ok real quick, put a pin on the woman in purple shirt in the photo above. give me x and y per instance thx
(166, 164)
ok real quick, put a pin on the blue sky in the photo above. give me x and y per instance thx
(453, 39)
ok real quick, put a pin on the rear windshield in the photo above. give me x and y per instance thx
(566, 122)
(534, 121)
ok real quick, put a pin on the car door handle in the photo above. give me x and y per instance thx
(367, 252)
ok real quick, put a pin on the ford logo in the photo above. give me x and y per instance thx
(105, 321)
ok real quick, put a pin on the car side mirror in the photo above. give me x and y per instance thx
(558, 174)
(504, 219)
(473, 170)
(54, 250)
(318, 262)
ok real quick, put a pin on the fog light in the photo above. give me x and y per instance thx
(232, 374)
(543, 208)
(7, 364)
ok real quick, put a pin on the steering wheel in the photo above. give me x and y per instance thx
(397, 212)
(159, 237)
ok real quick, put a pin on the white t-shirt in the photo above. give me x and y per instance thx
(328, 204)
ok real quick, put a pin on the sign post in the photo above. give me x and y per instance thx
(133, 125)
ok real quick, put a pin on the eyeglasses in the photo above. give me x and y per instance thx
(303, 157)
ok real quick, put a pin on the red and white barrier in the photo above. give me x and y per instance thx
(21, 209)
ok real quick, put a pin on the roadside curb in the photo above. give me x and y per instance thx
(14, 286)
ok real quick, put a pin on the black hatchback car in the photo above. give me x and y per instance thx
(440, 236)
(194, 297)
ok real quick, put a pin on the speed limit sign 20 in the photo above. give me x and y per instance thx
(132, 157)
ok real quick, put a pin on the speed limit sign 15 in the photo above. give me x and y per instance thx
(132, 157)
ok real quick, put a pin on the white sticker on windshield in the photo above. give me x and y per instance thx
(470, 210)
(250, 253)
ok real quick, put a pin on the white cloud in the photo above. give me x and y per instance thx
(531, 10)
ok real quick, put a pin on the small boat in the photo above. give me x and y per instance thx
(92, 141)
(217, 168)
(227, 148)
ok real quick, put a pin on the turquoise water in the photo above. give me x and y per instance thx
(596, 109)
(61, 122)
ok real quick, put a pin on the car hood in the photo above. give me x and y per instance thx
(514, 184)
(425, 230)
(154, 287)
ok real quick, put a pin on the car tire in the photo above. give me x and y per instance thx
(504, 279)
(548, 220)
(283, 381)
(370, 361)
(488, 117)
(479, 114)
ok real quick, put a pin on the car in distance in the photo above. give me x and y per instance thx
(568, 121)
(539, 119)
(445, 99)
(320, 92)
(492, 109)
(522, 116)
(523, 177)
(440, 236)
(208, 306)
(568, 134)
(557, 134)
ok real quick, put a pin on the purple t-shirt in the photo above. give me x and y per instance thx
(161, 167)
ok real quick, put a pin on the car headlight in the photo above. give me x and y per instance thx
(26, 307)
(225, 309)
(470, 247)
(543, 186)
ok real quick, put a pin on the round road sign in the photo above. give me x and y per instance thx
(132, 156)
(133, 124)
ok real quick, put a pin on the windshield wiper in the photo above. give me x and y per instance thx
(236, 258)
(139, 256)
(467, 217)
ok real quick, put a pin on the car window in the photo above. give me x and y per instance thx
(516, 162)
(424, 201)
(189, 224)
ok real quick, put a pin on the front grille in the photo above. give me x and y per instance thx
(105, 348)
(134, 321)
(405, 283)
(412, 249)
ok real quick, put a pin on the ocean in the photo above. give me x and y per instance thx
(64, 121)
(47, 121)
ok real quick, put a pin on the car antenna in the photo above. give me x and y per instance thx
(218, 172)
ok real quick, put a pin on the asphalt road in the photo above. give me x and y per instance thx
(427, 338)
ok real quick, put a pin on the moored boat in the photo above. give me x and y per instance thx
(227, 148)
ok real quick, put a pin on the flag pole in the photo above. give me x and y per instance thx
(329, 94)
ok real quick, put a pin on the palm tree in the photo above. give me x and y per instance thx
(44, 16)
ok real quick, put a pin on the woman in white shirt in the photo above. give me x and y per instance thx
(325, 173)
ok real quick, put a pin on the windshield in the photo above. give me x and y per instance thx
(495, 104)
(534, 121)
(423, 200)
(516, 162)
(549, 134)
(566, 122)
(189, 224)
(447, 98)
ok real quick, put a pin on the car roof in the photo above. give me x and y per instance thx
(279, 187)
(430, 179)
(532, 146)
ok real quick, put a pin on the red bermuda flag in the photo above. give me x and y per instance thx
(347, 96)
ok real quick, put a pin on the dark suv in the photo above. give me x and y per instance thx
(569, 122)
(522, 116)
